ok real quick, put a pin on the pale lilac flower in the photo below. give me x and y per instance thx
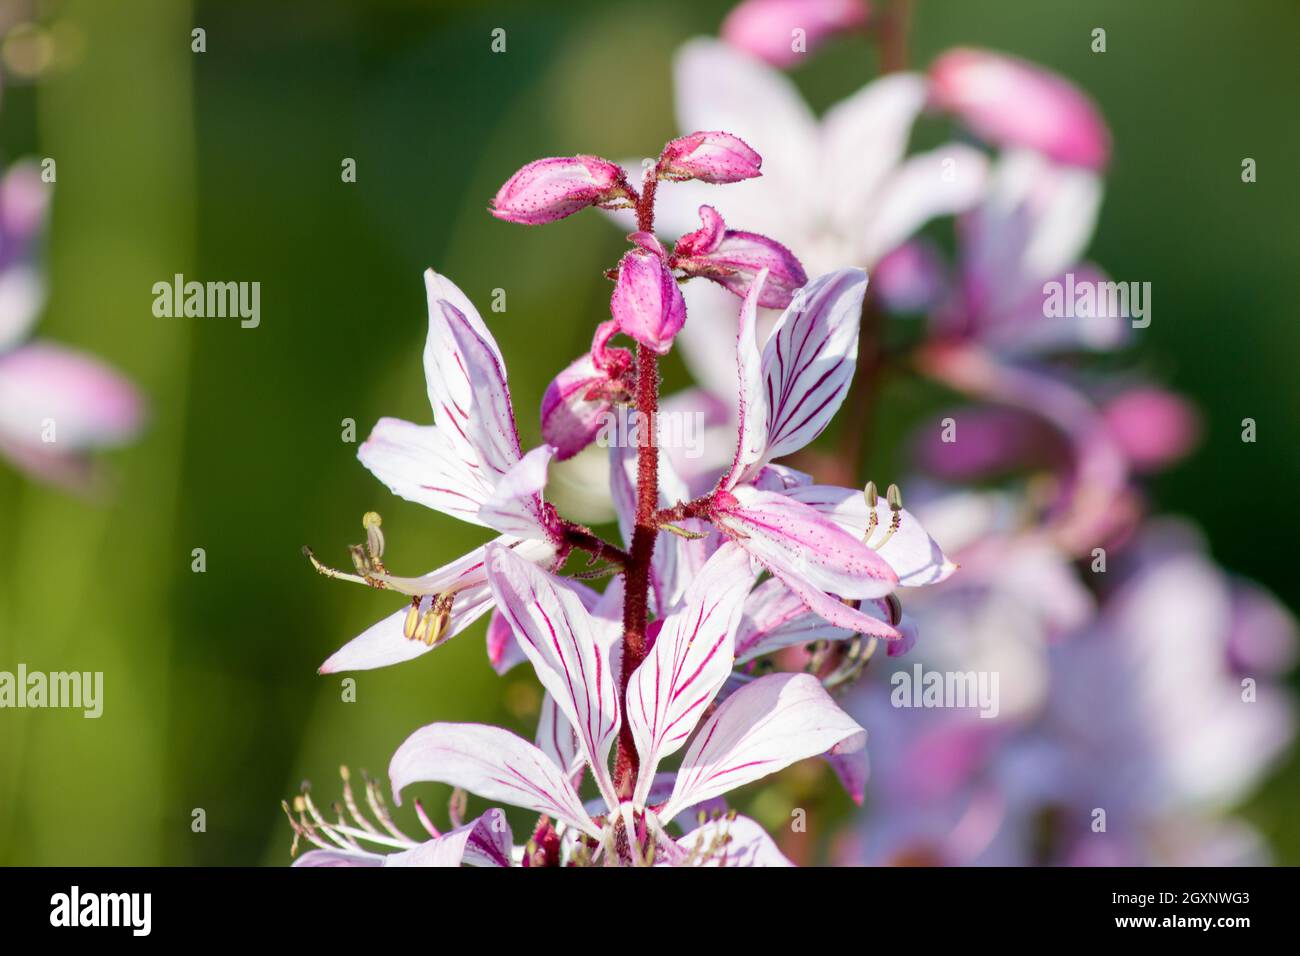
(57, 405)
(710, 157)
(468, 465)
(767, 28)
(1141, 712)
(1011, 102)
(733, 258)
(549, 189)
(788, 394)
(759, 729)
(839, 191)
(647, 304)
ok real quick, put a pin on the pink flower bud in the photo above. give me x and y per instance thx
(766, 28)
(1011, 102)
(646, 303)
(578, 400)
(550, 189)
(733, 258)
(710, 158)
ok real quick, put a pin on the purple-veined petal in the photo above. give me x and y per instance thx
(809, 360)
(915, 557)
(731, 841)
(773, 526)
(504, 652)
(690, 660)
(515, 506)
(492, 763)
(421, 464)
(776, 618)
(486, 841)
(762, 728)
(752, 412)
(569, 652)
(386, 643)
(338, 858)
(467, 386)
(557, 739)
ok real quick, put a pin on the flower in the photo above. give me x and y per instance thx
(467, 465)
(1011, 102)
(788, 395)
(757, 730)
(771, 29)
(57, 405)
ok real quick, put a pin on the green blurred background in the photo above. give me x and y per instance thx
(225, 165)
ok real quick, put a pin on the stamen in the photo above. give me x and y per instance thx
(374, 534)
(412, 619)
(869, 493)
(895, 499)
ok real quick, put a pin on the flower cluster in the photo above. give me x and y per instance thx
(678, 652)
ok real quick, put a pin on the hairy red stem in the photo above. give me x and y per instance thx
(636, 600)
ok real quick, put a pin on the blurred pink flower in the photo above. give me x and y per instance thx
(1011, 102)
(57, 405)
(767, 28)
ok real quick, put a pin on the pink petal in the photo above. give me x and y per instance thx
(88, 404)
(569, 653)
(913, 554)
(1012, 102)
(765, 28)
(776, 618)
(492, 763)
(690, 661)
(762, 728)
(787, 533)
(1153, 427)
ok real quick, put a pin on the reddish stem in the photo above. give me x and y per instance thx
(636, 600)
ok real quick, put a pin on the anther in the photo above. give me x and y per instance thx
(412, 619)
(374, 534)
(869, 493)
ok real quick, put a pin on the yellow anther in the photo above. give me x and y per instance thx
(374, 535)
(412, 620)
